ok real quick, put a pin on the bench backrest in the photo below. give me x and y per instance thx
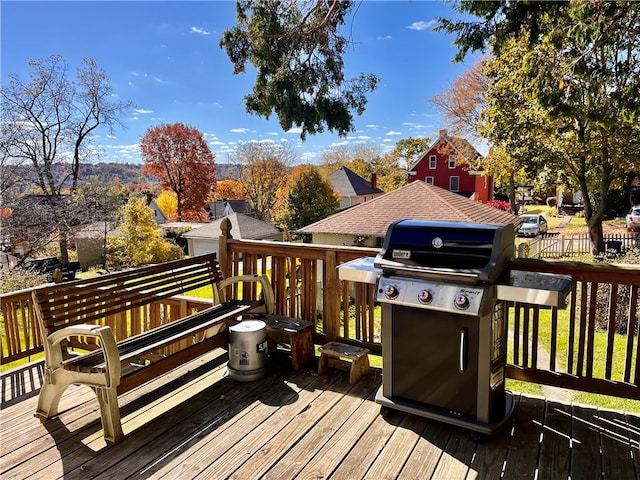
(92, 299)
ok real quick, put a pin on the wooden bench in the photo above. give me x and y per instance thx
(127, 331)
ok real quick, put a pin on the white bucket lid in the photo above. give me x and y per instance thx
(249, 326)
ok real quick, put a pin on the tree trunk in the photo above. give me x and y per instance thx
(596, 236)
(64, 245)
(512, 193)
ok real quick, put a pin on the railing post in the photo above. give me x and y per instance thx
(223, 253)
(331, 296)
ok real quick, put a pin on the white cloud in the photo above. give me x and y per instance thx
(200, 31)
(142, 111)
(385, 37)
(239, 130)
(416, 126)
(422, 25)
(308, 157)
(297, 130)
(146, 75)
(393, 132)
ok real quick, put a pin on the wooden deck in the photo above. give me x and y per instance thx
(195, 423)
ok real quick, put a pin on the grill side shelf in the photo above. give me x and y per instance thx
(545, 289)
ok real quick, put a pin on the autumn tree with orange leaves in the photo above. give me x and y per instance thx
(230, 190)
(179, 156)
(263, 168)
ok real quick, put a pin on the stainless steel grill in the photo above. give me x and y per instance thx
(444, 289)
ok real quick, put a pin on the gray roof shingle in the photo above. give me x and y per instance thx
(416, 200)
(242, 227)
(349, 184)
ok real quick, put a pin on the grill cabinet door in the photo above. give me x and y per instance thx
(435, 358)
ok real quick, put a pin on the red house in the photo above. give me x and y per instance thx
(446, 165)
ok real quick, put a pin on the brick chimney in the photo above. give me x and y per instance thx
(374, 180)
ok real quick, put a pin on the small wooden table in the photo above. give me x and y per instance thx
(338, 354)
(296, 332)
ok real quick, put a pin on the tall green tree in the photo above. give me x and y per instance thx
(578, 69)
(48, 123)
(309, 198)
(297, 49)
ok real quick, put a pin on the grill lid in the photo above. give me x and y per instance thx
(468, 251)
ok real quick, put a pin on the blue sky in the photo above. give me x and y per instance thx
(164, 57)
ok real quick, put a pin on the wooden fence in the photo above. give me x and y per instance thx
(559, 246)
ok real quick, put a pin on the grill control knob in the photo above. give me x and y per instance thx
(391, 291)
(425, 297)
(461, 301)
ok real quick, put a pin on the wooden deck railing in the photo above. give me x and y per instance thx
(604, 298)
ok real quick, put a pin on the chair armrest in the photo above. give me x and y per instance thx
(104, 334)
(268, 297)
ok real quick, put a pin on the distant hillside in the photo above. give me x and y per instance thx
(126, 173)
(131, 173)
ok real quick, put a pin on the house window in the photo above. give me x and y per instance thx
(454, 184)
(433, 162)
(428, 180)
(452, 161)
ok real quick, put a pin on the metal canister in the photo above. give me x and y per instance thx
(247, 350)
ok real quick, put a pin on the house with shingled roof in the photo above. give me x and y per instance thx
(447, 165)
(366, 224)
(205, 239)
(352, 188)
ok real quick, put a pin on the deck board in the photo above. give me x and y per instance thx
(585, 443)
(617, 454)
(196, 423)
(523, 451)
(556, 444)
(398, 449)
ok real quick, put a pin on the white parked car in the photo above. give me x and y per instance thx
(633, 218)
(532, 225)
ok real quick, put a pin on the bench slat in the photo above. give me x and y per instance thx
(88, 300)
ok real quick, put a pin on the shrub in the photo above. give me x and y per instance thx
(500, 205)
(622, 300)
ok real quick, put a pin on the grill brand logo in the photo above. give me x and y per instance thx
(437, 243)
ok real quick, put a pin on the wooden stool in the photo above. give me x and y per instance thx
(295, 332)
(336, 354)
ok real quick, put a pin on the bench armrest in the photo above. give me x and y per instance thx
(104, 334)
(268, 297)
